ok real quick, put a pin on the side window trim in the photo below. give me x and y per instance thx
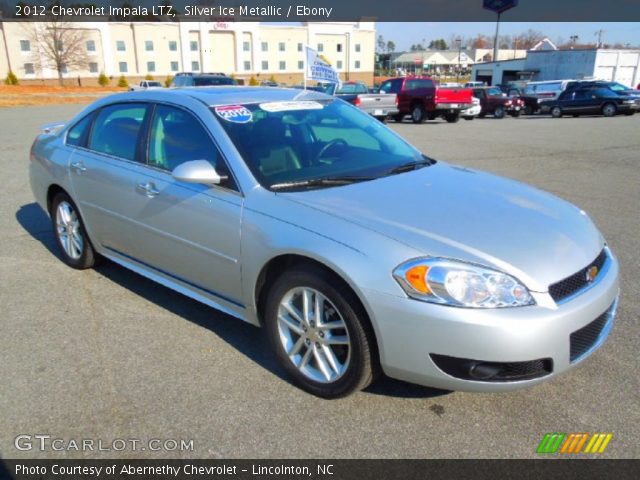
(85, 135)
(147, 145)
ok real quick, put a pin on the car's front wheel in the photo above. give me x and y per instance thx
(71, 236)
(499, 112)
(319, 333)
(556, 112)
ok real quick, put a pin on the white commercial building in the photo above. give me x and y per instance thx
(161, 49)
(622, 66)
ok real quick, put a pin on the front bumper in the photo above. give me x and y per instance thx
(410, 332)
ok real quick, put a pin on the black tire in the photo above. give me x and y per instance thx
(482, 115)
(499, 112)
(418, 114)
(382, 119)
(452, 117)
(398, 118)
(528, 110)
(609, 110)
(556, 112)
(88, 256)
(362, 366)
(516, 114)
(575, 115)
(628, 114)
(469, 118)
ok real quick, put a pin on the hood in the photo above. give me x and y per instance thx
(449, 211)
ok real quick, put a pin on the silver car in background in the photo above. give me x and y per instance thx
(359, 254)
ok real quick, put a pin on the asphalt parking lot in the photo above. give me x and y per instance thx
(107, 354)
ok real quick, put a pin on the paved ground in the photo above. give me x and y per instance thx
(107, 354)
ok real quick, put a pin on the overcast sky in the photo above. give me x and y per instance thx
(406, 34)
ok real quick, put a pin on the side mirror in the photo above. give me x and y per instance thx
(197, 171)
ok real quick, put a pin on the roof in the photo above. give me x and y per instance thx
(222, 95)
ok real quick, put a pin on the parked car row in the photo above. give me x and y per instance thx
(421, 98)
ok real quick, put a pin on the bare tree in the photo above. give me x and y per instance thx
(60, 46)
(529, 39)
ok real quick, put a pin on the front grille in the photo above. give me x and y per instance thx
(582, 340)
(570, 285)
(462, 368)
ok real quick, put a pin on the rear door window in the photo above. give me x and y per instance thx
(117, 130)
(391, 86)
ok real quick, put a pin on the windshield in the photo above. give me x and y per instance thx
(300, 141)
(494, 92)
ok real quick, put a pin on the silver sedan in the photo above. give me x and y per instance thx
(294, 211)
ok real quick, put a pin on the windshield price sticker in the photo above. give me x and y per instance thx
(234, 113)
(273, 107)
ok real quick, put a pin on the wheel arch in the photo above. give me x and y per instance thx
(275, 266)
(52, 191)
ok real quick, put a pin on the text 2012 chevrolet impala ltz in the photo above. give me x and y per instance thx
(358, 254)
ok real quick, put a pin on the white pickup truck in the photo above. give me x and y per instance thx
(380, 105)
(145, 85)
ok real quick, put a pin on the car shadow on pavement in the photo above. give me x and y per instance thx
(244, 337)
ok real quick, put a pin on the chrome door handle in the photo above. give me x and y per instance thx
(79, 167)
(148, 189)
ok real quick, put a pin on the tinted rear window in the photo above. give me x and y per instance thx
(206, 81)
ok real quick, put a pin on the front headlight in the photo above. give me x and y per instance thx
(460, 284)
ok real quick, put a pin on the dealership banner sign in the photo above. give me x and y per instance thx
(318, 69)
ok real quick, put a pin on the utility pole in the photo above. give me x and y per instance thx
(599, 34)
(495, 39)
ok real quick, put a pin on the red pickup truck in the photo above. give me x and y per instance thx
(421, 98)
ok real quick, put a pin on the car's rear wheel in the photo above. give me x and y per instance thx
(418, 114)
(74, 244)
(609, 110)
(498, 112)
(528, 110)
(319, 333)
(628, 114)
(556, 112)
(468, 118)
(382, 119)
(452, 117)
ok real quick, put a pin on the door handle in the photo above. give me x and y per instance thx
(148, 189)
(78, 167)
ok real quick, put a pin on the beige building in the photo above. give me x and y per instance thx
(244, 49)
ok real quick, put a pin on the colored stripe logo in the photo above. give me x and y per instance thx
(573, 443)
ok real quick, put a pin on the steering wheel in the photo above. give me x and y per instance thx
(333, 143)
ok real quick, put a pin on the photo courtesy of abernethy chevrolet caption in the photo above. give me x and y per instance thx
(358, 254)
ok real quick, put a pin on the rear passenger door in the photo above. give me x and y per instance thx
(192, 231)
(104, 169)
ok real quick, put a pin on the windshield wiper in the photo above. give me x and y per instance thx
(415, 165)
(320, 182)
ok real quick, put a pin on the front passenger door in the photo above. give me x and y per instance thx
(193, 230)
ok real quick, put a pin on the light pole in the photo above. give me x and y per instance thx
(574, 39)
(459, 43)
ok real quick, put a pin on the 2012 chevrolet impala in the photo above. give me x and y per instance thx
(359, 254)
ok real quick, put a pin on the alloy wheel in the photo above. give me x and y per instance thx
(314, 335)
(69, 231)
